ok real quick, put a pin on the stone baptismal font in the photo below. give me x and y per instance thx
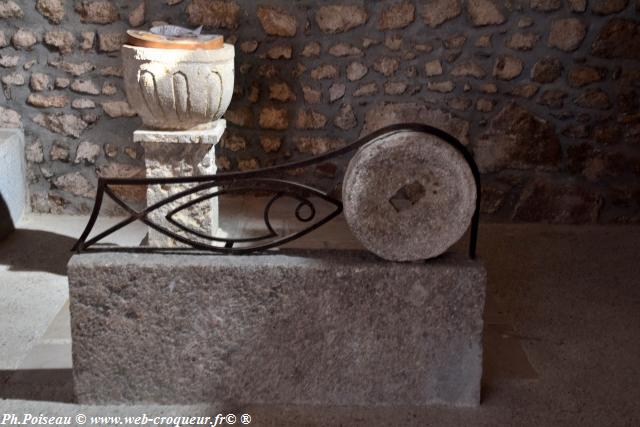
(180, 84)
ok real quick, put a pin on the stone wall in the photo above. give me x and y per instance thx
(545, 92)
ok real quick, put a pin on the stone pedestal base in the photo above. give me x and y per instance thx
(180, 153)
(300, 328)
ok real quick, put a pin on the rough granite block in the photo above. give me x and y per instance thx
(294, 327)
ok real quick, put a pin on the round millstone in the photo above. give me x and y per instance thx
(408, 196)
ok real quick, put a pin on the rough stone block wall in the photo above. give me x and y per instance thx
(544, 92)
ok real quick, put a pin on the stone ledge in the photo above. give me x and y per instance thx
(294, 327)
(210, 135)
(13, 179)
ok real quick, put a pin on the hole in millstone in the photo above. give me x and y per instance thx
(407, 196)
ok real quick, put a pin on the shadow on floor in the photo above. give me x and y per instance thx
(36, 250)
(52, 385)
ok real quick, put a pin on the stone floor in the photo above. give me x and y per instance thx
(562, 335)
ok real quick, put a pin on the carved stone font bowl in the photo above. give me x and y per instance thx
(177, 89)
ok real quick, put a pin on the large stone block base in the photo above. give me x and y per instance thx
(301, 328)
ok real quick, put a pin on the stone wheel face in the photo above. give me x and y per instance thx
(408, 196)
